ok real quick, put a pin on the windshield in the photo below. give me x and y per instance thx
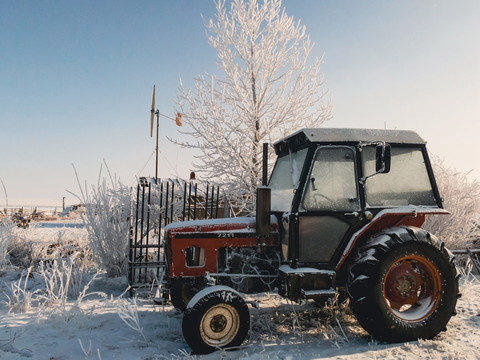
(284, 179)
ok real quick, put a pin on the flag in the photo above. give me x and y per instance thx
(178, 119)
(152, 111)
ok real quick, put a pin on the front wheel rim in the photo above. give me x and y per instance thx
(219, 325)
(412, 288)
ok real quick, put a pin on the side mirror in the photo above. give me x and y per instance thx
(383, 156)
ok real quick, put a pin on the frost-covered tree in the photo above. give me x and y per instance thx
(461, 197)
(265, 89)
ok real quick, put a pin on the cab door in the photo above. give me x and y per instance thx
(329, 207)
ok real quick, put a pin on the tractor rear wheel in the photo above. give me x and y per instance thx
(216, 318)
(403, 285)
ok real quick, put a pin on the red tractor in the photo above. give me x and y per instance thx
(343, 210)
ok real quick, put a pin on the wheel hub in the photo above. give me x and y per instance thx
(405, 286)
(218, 323)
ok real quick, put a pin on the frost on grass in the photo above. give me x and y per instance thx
(127, 309)
(65, 279)
(58, 260)
(57, 270)
(63, 287)
(468, 280)
(87, 351)
(21, 297)
(282, 322)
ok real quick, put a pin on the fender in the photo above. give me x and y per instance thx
(408, 216)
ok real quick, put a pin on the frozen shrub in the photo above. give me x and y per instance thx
(66, 278)
(63, 277)
(68, 243)
(23, 249)
(20, 251)
(6, 229)
(461, 197)
(107, 220)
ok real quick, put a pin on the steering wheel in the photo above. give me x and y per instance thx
(317, 198)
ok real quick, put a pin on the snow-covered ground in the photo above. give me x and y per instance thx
(92, 327)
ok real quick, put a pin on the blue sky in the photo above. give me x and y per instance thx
(76, 79)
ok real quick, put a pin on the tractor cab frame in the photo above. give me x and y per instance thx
(343, 209)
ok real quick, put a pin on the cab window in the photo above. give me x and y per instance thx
(331, 184)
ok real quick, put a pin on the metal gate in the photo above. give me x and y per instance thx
(157, 204)
(474, 256)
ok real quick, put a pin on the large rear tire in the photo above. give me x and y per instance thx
(217, 318)
(403, 285)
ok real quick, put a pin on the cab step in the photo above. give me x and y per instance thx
(317, 294)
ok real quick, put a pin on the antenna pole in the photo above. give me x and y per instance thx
(156, 147)
(153, 112)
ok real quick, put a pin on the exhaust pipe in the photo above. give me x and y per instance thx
(265, 164)
(263, 204)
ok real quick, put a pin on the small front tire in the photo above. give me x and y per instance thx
(218, 319)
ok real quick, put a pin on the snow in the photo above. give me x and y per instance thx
(207, 291)
(236, 224)
(246, 222)
(91, 327)
(287, 269)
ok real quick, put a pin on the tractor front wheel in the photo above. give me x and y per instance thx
(217, 318)
(403, 285)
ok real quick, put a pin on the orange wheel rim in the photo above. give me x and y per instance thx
(412, 288)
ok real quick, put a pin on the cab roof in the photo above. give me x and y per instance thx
(336, 135)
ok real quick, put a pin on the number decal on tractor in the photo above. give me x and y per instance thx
(225, 235)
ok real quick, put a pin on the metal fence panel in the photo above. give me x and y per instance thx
(157, 204)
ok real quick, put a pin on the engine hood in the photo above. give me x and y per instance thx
(238, 224)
